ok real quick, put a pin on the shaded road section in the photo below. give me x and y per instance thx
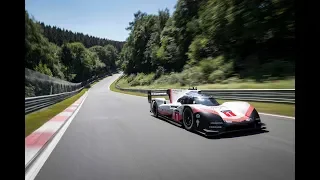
(114, 137)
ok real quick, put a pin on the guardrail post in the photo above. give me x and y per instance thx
(50, 90)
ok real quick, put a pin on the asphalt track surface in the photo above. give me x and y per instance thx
(114, 137)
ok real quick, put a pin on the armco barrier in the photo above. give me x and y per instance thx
(258, 95)
(36, 103)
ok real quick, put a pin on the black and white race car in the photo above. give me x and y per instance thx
(202, 113)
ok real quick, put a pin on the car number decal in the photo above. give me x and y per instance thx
(228, 113)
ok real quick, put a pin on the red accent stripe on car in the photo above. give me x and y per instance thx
(249, 111)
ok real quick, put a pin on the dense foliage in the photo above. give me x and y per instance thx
(210, 41)
(60, 36)
(65, 58)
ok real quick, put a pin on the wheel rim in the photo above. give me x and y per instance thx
(188, 119)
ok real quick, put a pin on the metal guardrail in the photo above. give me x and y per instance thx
(258, 95)
(36, 103)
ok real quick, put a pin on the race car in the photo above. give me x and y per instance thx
(202, 113)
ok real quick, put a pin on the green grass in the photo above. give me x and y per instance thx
(272, 108)
(245, 84)
(36, 119)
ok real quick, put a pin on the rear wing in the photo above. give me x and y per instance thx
(174, 94)
(150, 94)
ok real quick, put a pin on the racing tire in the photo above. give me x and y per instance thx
(188, 120)
(155, 109)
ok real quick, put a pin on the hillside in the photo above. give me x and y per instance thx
(211, 41)
(59, 36)
(66, 55)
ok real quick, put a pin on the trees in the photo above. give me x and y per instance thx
(41, 55)
(108, 55)
(71, 61)
(139, 54)
(60, 36)
(254, 39)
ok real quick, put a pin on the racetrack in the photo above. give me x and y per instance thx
(114, 137)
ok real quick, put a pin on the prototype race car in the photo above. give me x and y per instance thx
(202, 113)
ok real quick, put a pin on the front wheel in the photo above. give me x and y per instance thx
(188, 120)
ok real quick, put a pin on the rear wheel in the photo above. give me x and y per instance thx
(155, 109)
(188, 120)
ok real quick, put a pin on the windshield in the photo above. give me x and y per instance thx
(206, 101)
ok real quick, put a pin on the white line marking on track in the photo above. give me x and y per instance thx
(41, 159)
(280, 116)
(29, 153)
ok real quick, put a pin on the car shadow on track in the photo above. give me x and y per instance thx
(235, 134)
(167, 121)
(222, 136)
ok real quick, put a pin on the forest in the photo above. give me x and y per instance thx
(65, 55)
(201, 42)
(60, 36)
(211, 41)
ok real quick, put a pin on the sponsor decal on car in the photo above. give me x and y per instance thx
(215, 127)
(228, 113)
(216, 122)
(197, 121)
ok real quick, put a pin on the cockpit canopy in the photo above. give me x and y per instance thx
(198, 99)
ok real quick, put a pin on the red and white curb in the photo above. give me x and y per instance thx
(37, 140)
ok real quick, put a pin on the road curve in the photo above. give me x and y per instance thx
(114, 137)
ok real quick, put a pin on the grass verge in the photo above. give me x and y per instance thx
(272, 108)
(245, 84)
(36, 119)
